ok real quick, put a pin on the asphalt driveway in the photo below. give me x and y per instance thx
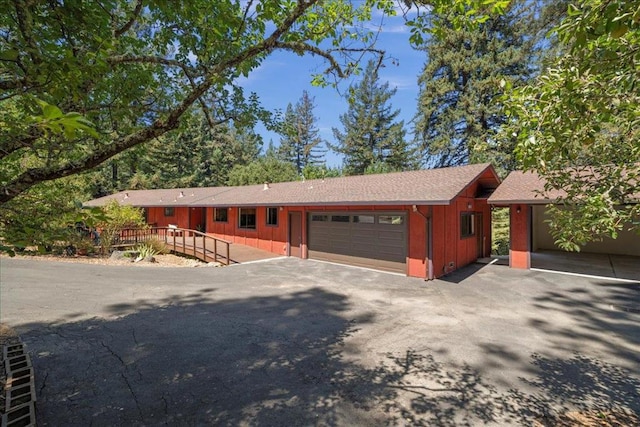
(292, 342)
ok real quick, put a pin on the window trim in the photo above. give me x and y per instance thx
(272, 209)
(471, 232)
(169, 211)
(215, 215)
(255, 219)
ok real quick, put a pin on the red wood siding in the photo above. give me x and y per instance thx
(450, 250)
(267, 237)
(155, 216)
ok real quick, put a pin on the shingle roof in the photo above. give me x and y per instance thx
(431, 186)
(523, 187)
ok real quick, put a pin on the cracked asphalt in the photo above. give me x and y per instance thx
(293, 342)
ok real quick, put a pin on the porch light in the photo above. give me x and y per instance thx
(469, 205)
(518, 209)
(181, 194)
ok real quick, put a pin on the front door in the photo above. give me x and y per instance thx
(295, 234)
(198, 219)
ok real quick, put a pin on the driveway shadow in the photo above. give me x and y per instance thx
(282, 360)
(272, 360)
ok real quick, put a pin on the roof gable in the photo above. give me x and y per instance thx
(523, 187)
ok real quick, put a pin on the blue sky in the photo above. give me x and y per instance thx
(283, 76)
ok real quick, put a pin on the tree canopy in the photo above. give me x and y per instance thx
(578, 123)
(83, 81)
(458, 114)
(301, 144)
(371, 133)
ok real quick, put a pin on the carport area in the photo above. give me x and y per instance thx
(604, 265)
(291, 342)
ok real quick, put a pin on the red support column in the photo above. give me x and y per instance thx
(520, 232)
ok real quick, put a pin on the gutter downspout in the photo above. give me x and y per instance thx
(430, 244)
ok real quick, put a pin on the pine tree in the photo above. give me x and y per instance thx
(459, 111)
(195, 155)
(371, 135)
(300, 143)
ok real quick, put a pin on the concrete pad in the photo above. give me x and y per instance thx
(243, 253)
(294, 342)
(614, 266)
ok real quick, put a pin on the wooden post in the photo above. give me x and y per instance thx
(204, 247)
(215, 249)
(194, 245)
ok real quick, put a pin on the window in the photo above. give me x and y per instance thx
(467, 224)
(391, 219)
(364, 219)
(221, 214)
(339, 218)
(169, 212)
(272, 216)
(320, 218)
(247, 218)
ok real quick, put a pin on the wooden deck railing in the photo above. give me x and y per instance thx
(182, 240)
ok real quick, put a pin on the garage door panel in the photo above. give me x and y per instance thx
(380, 264)
(366, 240)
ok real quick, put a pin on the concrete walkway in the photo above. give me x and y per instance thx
(290, 342)
(243, 253)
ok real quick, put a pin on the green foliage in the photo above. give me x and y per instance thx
(500, 231)
(157, 246)
(195, 155)
(300, 143)
(116, 218)
(132, 70)
(371, 134)
(320, 172)
(265, 169)
(44, 217)
(146, 250)
(578, 124)
(465, 15)
(458, 114)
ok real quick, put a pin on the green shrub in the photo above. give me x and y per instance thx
(117, 218)
(158, 246)
(146, 250)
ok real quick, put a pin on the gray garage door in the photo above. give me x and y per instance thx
(367, 239)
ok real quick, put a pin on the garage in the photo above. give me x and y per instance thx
(627, 242)
(366, 239)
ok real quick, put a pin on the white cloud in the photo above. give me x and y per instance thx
(401, 82)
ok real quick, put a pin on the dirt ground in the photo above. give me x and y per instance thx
(168, 260)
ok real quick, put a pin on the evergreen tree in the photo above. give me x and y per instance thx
(458, 113)
(261, 170)
(300, 142)
(200, 156)
(371, 134)
(195, 155)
